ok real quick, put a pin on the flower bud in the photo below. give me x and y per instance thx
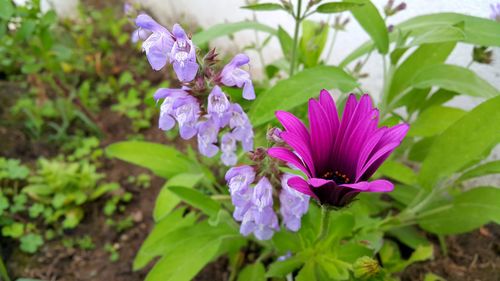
(273, 135)
(365, 268)
(482, 55)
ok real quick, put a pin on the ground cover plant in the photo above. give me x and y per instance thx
(301, 176)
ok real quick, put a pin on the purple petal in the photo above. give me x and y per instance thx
(373, 186)
(147, 22)
(321, 136)
(248, 91)
(300, 185)
(301, 147)
(289, 157)
(185, 71)
(178, 32)
(292, 124)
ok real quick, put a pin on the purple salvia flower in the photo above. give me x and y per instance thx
(260, 219)
(233, 75)
(207, 137)
(170, 96)
(495, 12)
(242, 129)
(239, 179)
(128, 8)
(218, 106)
(183, 55)
(337, 156)
(186, 111)
(293, 204)
(140, 34)
(228, 148)
(158, 43)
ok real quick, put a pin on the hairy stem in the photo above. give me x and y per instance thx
(298, 19)
(325, 221)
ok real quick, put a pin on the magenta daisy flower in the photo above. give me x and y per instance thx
(337, 156)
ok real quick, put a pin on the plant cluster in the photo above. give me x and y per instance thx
(303, 194)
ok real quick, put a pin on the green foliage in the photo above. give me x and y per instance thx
(162, 160)
(298, 89)
(226, 29)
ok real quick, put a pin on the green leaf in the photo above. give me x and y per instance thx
(14, 230)
(469, 210)
(369, 18)
(167, 200)
(410, 236)
(453, 78)
(397, 171)
(337, 7)
(420, 149)
(30, 243)
(253, 272)
(185, 262)
(435, 120)
(294, 91)
(335, 269)
(464, 142)
(478, 31)
(308, 272)
(7, 9)
(282, 268)
(404, 194)
(197, 199)
(489, 168)
(264, 7)
(225, 29)
(312, 43)
(439, 34)
(425, 55)
(286, 42)
(163, 160)
(157, 242)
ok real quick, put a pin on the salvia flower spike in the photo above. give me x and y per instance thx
(337, 156)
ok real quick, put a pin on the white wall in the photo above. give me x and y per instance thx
(208, 13)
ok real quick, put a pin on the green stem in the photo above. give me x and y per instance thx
(330, 50)
(3, 270)
(325, 221)
(298, 19)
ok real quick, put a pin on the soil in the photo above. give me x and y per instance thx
(473, 256)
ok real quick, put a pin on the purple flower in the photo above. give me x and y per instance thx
(242, 129)
(170, 96)
(158, 43)
(495, 12)
(186, 111)
(232, 75)
(128, 8)
(140, 34)
(183, 55)
(293, 204)
(228, 148)
(337, 156)
(260, 219)
(207, 137)
(239, 179)
(218, 106)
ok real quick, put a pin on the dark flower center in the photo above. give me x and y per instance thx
(337, 177)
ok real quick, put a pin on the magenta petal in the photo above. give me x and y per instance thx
(317, 182)
(328, 104)
(321, 136)
(302, 148)
(382, 153)
(288, 156)
(300, 185)
(394, 134)
(373, 186)
(367, 149)
(292, 124)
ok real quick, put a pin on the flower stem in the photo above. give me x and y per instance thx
(325, 221)
(298, 19)
(3, 270)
